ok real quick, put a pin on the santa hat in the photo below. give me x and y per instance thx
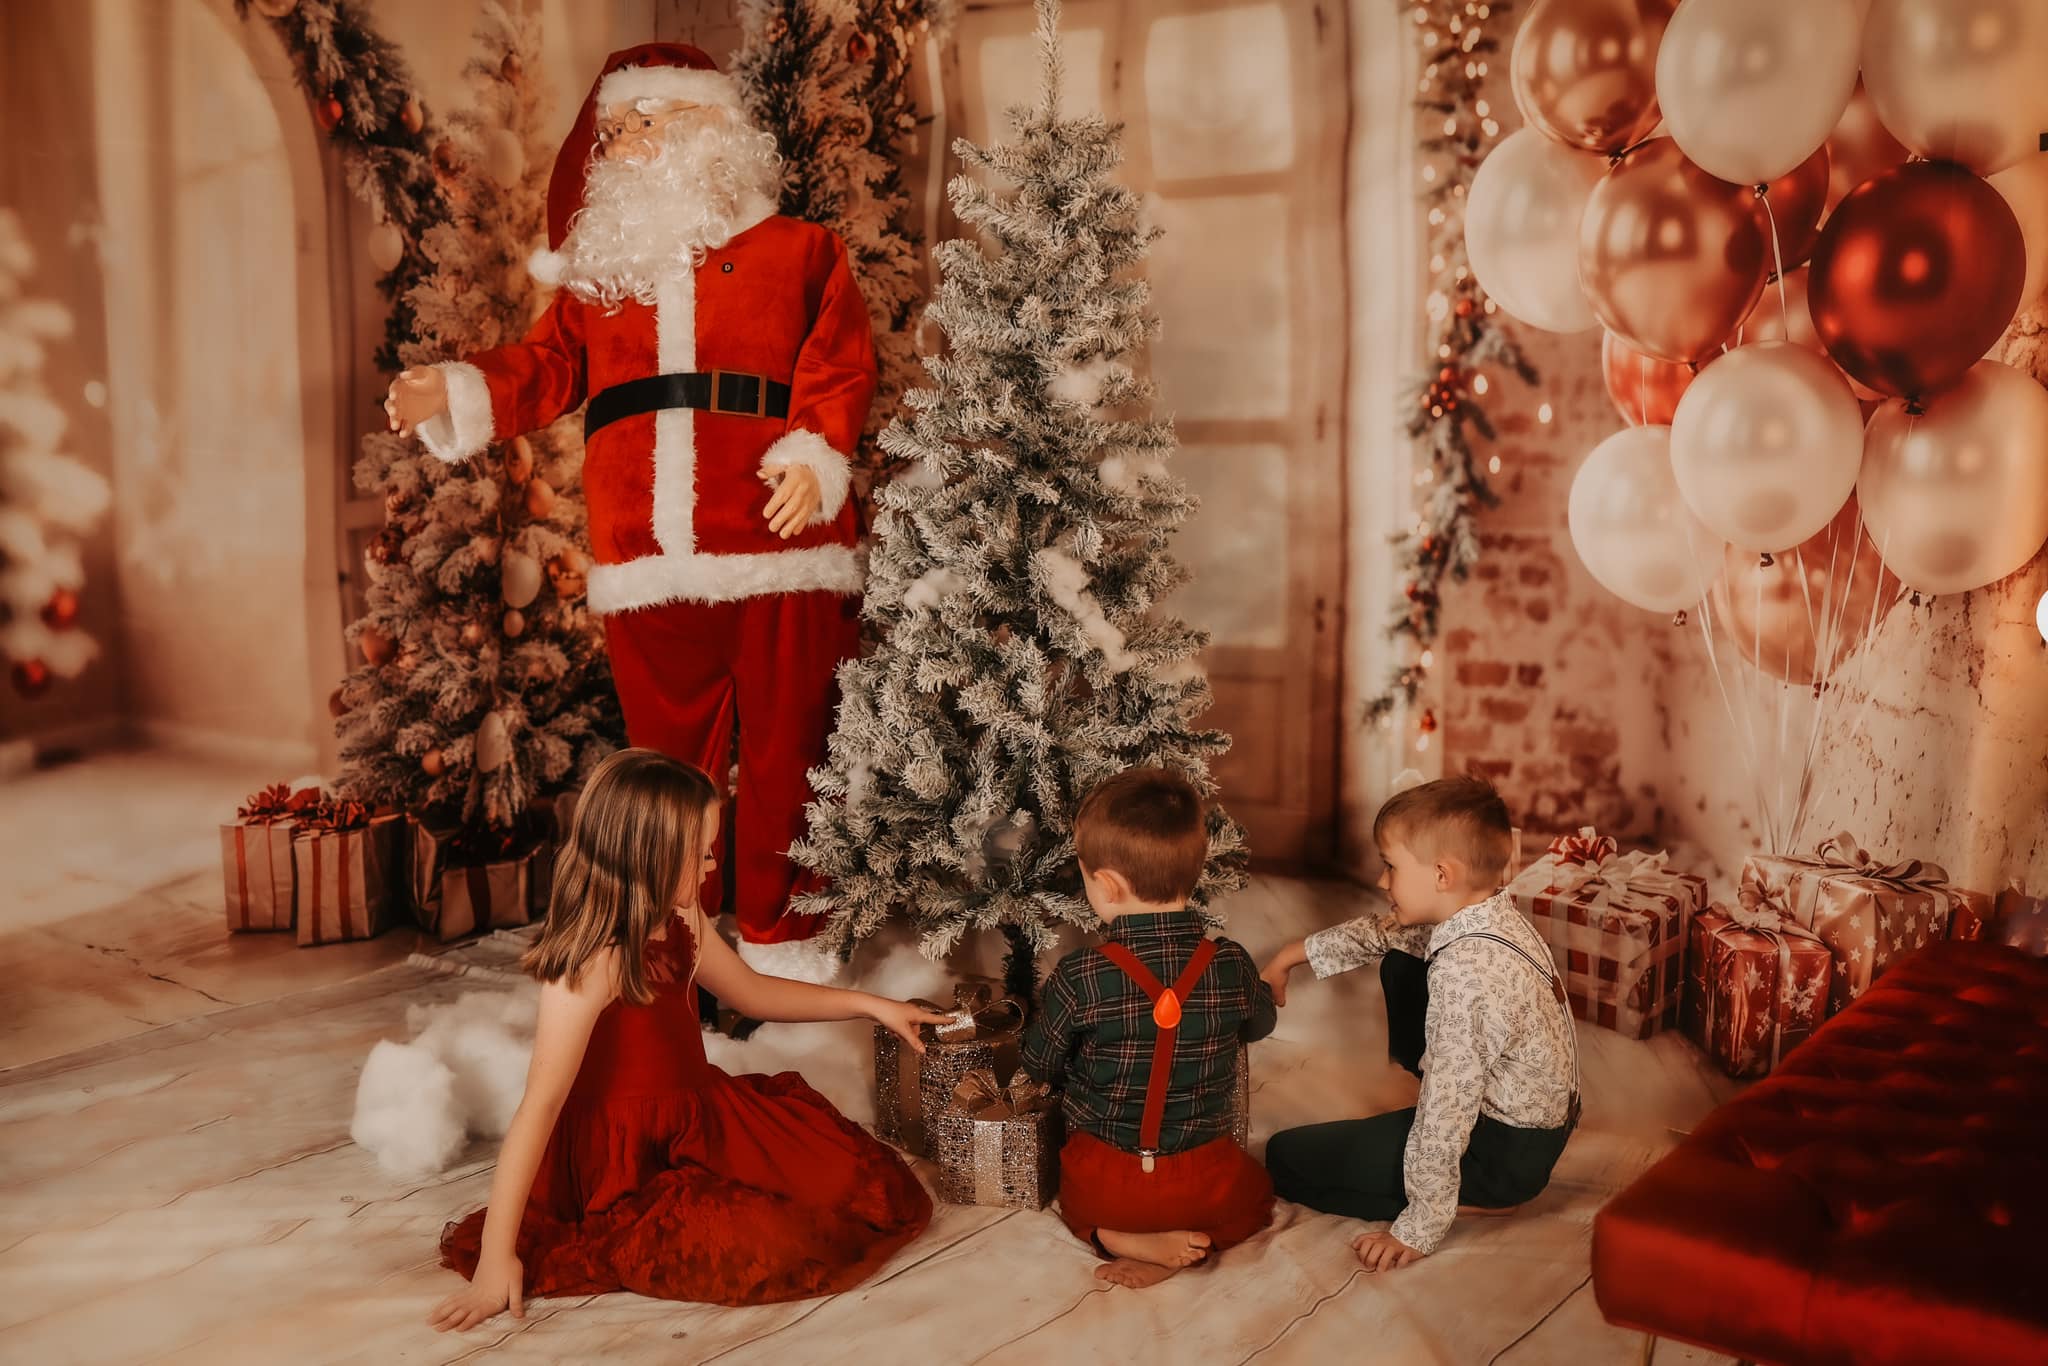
(651, 71)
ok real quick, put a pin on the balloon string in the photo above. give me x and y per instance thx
(1781, 689)
(1820, 630)
(1778, 259)
(1736, 723)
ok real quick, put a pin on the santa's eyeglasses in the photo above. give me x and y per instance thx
(610, 130)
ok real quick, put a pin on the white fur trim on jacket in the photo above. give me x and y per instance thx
(691, 85)
(681, 572)
(812, 451)
(465, 429)
(801, 960)
(547, 267)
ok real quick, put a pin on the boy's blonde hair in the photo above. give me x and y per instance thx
(1457, 818)
(1151, 826)
(634, 854)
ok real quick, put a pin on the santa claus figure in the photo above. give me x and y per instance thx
(726, 358)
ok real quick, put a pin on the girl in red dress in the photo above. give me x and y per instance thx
(637, 1165)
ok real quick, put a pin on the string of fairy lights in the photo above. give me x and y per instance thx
(1467, 337)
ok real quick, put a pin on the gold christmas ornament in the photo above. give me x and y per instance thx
(387, 246)
(520, 578)
(504, 157)
(411, 117)
(540, 498)
(493, 743)
(512, 69)
(377, 647)
(519, 460)
(433, 763)
(568, 574)
(473, 634)
(515, 623)
(335, 706)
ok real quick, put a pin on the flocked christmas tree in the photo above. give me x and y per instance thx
(485, 683)
(1017, 570)
(831, 80)
(47, 498)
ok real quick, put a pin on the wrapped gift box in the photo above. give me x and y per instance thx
(910, 1088)
(256, 858)
(997, 1145)
(1869, 914)
(1241, 1098)
(1615, 924)
(350, 873)
(1756, 984)
(462, 881)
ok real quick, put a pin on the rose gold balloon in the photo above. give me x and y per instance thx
(1585, 71)
(1789, 317)
(1671, 259)
(1767, 616)
(1793, 205)
(1917, 273)
(1645, 390)
(1859, 148)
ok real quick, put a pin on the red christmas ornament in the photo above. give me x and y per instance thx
(31, 678)
(377, 647)
(335, 706)
(60, 613)
(447, 160)
(1465, 309)
(327, 113)
(410, 116)
(859, 48)
(1428, 722)
(1448, 377)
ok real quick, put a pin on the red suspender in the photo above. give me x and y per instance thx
(1166, 1014)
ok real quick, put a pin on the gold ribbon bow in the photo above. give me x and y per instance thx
(981, 1097)
(1841, 850)
(978, 1013)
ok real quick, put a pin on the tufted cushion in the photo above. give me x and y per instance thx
(1883, 1198)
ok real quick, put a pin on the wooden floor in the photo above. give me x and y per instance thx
(177, 1182)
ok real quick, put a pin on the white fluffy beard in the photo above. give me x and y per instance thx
(644, 220)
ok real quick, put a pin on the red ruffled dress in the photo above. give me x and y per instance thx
(667, 1177)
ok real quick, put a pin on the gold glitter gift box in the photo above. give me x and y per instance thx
(997, 1145)
(987, 1032)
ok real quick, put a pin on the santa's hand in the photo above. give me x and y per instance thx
(796, 498)
(415, 396)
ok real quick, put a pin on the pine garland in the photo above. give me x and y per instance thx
(830, 79)
(1017, 571)
(486, 683)
(1467, 334)
(362, 95)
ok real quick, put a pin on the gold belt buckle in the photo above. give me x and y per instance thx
(760, 408)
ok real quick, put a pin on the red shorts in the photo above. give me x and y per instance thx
(1215, 1189)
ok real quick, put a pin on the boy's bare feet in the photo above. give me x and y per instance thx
(1146, 1259)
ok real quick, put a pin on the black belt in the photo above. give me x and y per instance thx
(717, 391)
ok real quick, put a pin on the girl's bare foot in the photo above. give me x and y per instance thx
(1165, 1251)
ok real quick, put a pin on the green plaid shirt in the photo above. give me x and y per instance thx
(1093, 1034)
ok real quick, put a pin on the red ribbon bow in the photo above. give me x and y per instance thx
(278, 803)
(1586, 849)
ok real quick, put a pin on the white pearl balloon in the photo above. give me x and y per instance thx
(1956, 498)
(1765, 444)
(1751, 88)
(1632, 529)
(1522, 228)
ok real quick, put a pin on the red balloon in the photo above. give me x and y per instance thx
(1917, 273)
(31, 678)
(1793, 205)
(1771, 620)
(1645, 390)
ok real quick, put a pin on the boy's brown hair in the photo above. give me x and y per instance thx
(1456, 818)
(1151, 826)
(635, 853)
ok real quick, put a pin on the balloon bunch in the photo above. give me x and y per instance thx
(1802, 224)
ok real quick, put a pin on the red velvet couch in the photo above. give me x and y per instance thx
(1882, 1198)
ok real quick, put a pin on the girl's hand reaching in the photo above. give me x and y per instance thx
(902, 1018)
(497, 1285)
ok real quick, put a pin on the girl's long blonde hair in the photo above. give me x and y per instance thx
(634, 853)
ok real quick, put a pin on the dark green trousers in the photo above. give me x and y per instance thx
(1353, 1166)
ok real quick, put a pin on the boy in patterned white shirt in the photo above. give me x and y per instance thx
(1474, 1007)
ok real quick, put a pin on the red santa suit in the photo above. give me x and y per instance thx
(714, 623)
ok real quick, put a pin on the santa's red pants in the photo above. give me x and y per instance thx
(1215, 1189)
(688, 673)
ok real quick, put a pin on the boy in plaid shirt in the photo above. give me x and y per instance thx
(1141, 1035)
